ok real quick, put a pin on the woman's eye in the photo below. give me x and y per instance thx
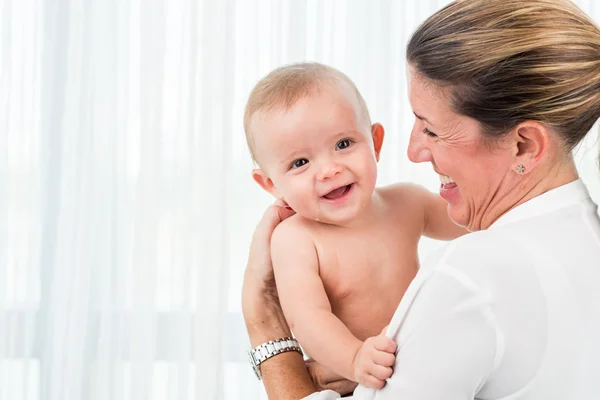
(298, 163)
(429, 133)
(342, 144)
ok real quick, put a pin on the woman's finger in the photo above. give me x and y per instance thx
(320, 374)
(343, 386)
(272, 216)
(284, 212)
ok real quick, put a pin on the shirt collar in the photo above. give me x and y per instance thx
(555, 199)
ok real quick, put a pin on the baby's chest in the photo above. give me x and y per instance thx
(365, 267)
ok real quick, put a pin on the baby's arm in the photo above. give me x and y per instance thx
(307, 309)
(436, 222)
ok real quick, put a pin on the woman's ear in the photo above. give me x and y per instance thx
(531, 143)
(377, 133)
(265, 182)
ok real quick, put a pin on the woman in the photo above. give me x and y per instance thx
(502, 92)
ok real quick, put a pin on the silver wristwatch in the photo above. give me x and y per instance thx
(269, 349)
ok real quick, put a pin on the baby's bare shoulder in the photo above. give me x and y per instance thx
(292, 246)
(295, 231)
(294, 226)
(401, 195)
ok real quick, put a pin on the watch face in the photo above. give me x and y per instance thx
(253, 364)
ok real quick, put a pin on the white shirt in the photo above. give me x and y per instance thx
(512, 312)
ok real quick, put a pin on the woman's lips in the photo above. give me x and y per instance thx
(451, 185)
(449, 192)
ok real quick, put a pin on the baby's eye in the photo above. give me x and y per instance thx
(298, 163)
(342, 144)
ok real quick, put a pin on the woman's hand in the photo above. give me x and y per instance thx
(260, 302)
(284, 376)
(260, 267)
(324, 379)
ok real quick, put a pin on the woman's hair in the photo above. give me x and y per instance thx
(510, 61)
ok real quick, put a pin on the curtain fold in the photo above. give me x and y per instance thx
(126, 200)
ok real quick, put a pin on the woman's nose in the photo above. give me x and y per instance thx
(418, 147)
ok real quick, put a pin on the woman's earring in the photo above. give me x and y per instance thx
(520, 169)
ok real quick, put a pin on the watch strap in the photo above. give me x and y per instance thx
(263, 352)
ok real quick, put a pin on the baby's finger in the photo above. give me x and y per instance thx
(383, 343)
(384, 330)
(372, 382)
(380, 372)
(384, 358)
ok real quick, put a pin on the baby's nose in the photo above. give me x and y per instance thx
(329, 170)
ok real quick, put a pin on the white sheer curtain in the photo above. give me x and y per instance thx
(126, 204)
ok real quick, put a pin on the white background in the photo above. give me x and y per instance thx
(126, 202)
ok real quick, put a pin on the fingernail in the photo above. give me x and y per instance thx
(288, 208)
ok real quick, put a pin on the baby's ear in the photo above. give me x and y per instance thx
(377, 133)
(265, 182)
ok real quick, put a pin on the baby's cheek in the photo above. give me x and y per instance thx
(370, 173)
(301, 200)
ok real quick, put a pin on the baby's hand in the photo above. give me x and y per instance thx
(374, 360)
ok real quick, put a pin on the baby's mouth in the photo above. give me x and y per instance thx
(338, 193)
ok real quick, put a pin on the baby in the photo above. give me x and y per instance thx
(344, 260)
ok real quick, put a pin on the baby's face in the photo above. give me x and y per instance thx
(318, 156)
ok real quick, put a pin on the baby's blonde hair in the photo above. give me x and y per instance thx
(284, 86)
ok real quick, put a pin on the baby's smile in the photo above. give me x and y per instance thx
(338, 193)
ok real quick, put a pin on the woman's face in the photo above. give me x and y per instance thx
(475, 176)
